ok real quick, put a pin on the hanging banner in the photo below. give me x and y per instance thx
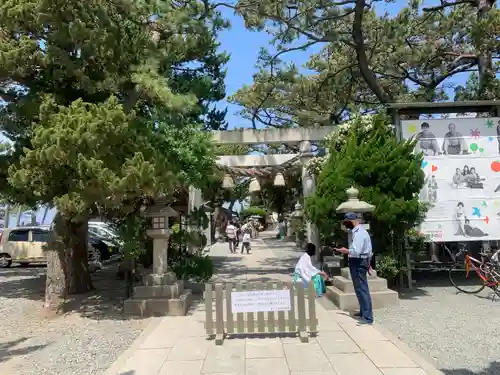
(462, 177)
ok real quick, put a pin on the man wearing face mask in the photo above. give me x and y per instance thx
(360, 253)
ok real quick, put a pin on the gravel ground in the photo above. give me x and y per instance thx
(86, 340)
(460, 332)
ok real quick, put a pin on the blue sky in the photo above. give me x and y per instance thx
(243, 47)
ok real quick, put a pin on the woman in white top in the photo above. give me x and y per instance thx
(305, 272)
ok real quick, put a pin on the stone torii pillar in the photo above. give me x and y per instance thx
(308, 189)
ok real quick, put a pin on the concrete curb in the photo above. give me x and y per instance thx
(124, 357)
(425, 363)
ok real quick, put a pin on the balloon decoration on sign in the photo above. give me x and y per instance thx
(486, 219)
(476, 212)
(484, 204)
(481, 150)
(424, 164)
(475, 133)
(474, 147)
(495, 166)
(490, 139)
(412, 128)
(434, 168)
(489, 123)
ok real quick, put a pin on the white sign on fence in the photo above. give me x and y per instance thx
(260, 301)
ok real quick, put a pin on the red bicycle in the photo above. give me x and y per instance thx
(478, 274)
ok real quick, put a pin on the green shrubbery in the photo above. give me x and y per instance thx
(253, 211)
(386, 172)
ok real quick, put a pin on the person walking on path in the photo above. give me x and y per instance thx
(360, 254)
(282, 229)
(231, 237)
(238, 235)
(245, 242)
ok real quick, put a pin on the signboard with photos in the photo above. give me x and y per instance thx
(462, 177)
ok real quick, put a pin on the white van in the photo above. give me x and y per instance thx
(23, 245)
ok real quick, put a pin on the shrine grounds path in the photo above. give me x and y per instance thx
(178, 345)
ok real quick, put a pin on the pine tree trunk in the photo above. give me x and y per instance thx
(45, 212)
(67, 263)
(19, 213)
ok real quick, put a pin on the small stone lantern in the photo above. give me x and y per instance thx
(353, 204)
(296, 219)
(162, 294)
(159, 231)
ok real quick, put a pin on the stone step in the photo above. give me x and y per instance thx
(344, 272)
(349, 301)
(159, 279)
(158, 306)
(345, 285)
(159, 291)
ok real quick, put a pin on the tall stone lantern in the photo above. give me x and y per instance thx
(342, 292)
(162, 294)
(353, 204)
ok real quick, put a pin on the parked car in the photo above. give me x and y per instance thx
(25, 245)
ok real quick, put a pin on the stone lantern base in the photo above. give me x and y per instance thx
(161, 295)
(343, 296)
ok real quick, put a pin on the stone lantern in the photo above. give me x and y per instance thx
(353, 204)
(296, 221)
(342, 292)
(162, 294)
(158, 230)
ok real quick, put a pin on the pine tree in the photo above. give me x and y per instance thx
(104, 102)
(387, 174)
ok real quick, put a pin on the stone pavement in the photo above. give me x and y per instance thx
(178, 345)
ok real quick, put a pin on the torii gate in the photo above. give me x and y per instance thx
(269, 163)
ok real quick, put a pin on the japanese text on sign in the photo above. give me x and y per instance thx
(260, 301)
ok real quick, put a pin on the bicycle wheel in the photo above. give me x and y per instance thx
(465, 281)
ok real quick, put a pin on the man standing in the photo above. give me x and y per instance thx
(231, 237)
(360, 254)
(453, 142)
(427, 141)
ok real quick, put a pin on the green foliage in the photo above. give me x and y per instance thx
(198, 218)
(188, 265)
(409, 56)
(386, 172)
(109, 106)
(253, 211)
(132, 233)
(278, 199)
(194, 267)
(387, 267)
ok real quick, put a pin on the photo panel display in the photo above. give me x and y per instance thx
(462, 177)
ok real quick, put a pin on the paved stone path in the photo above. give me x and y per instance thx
(178, 345)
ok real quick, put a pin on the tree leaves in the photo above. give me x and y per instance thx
(102, 113)
(387, 173)
(365, 58)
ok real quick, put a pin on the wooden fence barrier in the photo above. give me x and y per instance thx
(296, 320)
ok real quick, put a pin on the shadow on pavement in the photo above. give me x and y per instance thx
(8, 349)
(104, 302)
(433, 279)
(493, 369)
